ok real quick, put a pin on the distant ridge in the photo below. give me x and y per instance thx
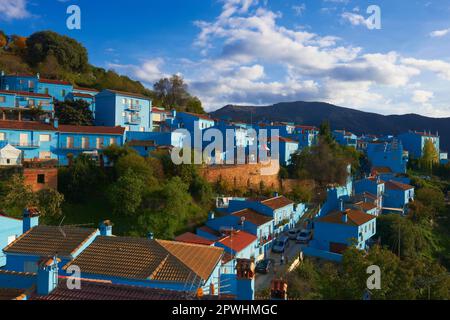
(359, 122)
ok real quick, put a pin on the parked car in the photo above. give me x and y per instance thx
(292, 234)
(304, 236)
(263, 266)
(280, 245)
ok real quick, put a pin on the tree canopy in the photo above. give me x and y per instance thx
(74, 113)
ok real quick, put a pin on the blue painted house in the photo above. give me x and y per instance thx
(23, 103)
(388, 155)
(414, 142)
(346, 138)
(397, 196)
(145, 142)
(129, 110)
(10, 230)
(287, 147)
(334, 233)
(45, 141)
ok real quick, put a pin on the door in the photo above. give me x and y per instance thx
(23, 139)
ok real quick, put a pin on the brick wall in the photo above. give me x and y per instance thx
(241, 176)
(48, 176)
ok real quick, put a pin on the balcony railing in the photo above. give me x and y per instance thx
(25, 145)
(81, 148)
(132, 120)
(133, 107)
(266, 239)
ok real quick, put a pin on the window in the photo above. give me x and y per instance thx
(31, 103)
(45, 138)
(99, 143)
(85, 143)
(69, 142)
(2, 136)
(2, 99)
(46, 91)
(45, 155)
(124, 114)
(63, 93)
(112, 141)
(142, 129)
(41, 178)
(30, 84)
(23, 139)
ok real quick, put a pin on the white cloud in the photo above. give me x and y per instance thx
(13, 9)
(422, 96)
(299, 9)
(148, 72)
(439, 33)
(439, 67)
(355, 19)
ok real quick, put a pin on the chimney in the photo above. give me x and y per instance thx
(245, 276)
(174, 113)
(276, 194)
(56, 123)
(47, 275)
(278, 289)
(345, 217)
(106, 228)
(30, 219)
(38, 75)
(150, 236)
(211, 216)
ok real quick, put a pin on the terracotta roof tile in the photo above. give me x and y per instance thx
(11, 294)
(395, 185)
(129, 94)
(277, 202)
(141, 143)
(25, 93)
(102, 291)
(238, 240)
(381, 170)
(253, 217)
(59, 82)
(91, 129)
(85, 89)
(366, 206)
(138, 258)
(82, 95)
(190, 237)
(200, 116)
(50, 240)
(355, 218)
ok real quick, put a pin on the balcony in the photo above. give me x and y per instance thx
(264, 240)
(133, 107)
(25, 144)
(81, 148)
(132, 120)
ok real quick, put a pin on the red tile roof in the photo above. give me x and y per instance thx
(25, 93)
(34, 125)
(104, 291)
(26, 125)
(277, 202)
(366, 206)
(85, 89)
(354, 218)
(158, 260)
(382, 169)
(50, 240)
(252, 216)
(200, 116)
(190, 237)
(129, 94)
(238, 240)
(50, 81)
(395, 185)
(91, 129)
(82, 95)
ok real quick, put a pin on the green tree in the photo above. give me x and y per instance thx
(74, 113)
(430, 155)
(71, 55)
(17, 195)
(50, 203)
(126, 195)
(3, 39)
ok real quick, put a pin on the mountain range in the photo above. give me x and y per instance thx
(358, 122)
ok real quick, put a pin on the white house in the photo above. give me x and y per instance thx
(10, 156)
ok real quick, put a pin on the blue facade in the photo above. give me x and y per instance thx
(10, 229)
(52, 141)
(128, 110)
(345, 138)
(175, 139)
(414, 142)
(388, 155)
(398, 196)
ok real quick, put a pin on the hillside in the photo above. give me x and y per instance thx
(359, 122)
(59, 57)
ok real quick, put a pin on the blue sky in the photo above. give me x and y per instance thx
(262, 52)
